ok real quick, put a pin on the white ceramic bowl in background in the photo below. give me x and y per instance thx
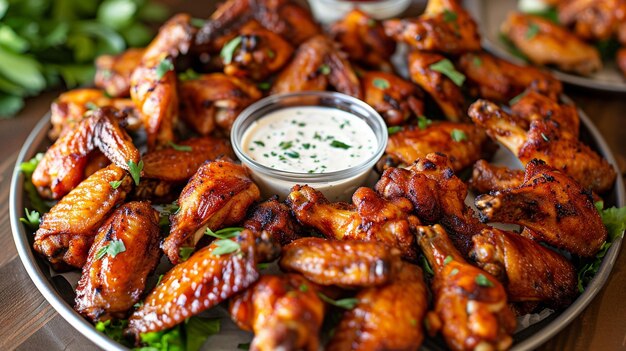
(328, 11)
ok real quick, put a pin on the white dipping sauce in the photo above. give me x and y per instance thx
(309, 139)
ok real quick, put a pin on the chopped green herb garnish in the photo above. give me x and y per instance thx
(454, 271)
(426, 266)
(476, 61)
(532, 31)
(340, 145)
(159, 280)
(29, 166)
(482, 280)
(545, 137)
(371, 22)
(91, 106)
(317, 136)
(449, 16)
(138, 304)
(447, 260)
(229, 50)
(197, 22)
(197, 330)
(393, 130)
(458, 135)
(185, 252)
(258, 142)
(413, 322)
(135, 170)
(189, 74)
(264, 85)
(306, 146)
(163, 67)
(324, 69)
(517, 98)
(292, 154)
(423, 122)
(225, 246)
(261, 266)
(114, 329)
(348, 303)
(270, 53)
(285, 144)
(446, 68)
(113, 248)
(115, 184)
(381, 83)
(184, 148)
(304, 287)
(32, 218)
(224, 233)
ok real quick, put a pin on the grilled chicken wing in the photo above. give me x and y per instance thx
(113, 71)
(153, 83)
(393, 97)
(217, 195)
(553, 206)
(387, 317)
(595, 19)
(547, 43)
(547, 142)
(112, 284)
(284, 312)
(444, 27)
(487, 177)
(462, 143)
(437, 195)
(364, 40)
(369, 218)
(203, 281)
(620, 60)
(275, 218)
(73, 106)
(259, 54)
(533, 105)
(62, 167)
(442, 89)
(67, 231)
(470, 304)
(346, 263)
(529, 271)
(317, 64)
(215, 100)
(496, 79)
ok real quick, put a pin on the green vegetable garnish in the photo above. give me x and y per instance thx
(225, 233)
(32, 218)
(545, 137)
(264, 85)
(324, 69)
(197, 330)
(446, 68)
(348, 303)
(517, 98)
(393, 130)
(225, 246)
(115, 184)
(285, 144)
(304, 288)
(113, 248)
(114, 329)
(228, 51)
(532, 31)
(135, 170)
(423, 122)
(482, 280)
(426, 266)
(163, 67)
(185, 252)
(184, 148)
(29, 166)
(476, 61)
(381, 83)
(447, 260)
(449, 16)
(458, 135)
(189, 74)
(340, 145)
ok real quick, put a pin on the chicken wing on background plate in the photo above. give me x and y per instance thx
(595, 20)
(113, 71)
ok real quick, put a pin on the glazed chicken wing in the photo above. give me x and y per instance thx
(284, 312)
(346, 263)
(493, 78)
(205, 280)
(275, 218)
(470, 304)
(462, 143)
(215, 100)
(388, 317)
(595, 19)
(620, 60)
(396, 99)
(547, 43)
(552, 206)
(112, 283)
(533, 105)
(437, 195)
(113, 71)
(62, 167)
(67, 231)
(218, 195)
(529, 271)
(317, 64)
(153, 83)
(487, 177)
(442, 89)
(444, 27)
(547, 142)
(369, 218)
(364, 40)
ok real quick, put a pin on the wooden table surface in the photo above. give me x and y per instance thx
(28, 322)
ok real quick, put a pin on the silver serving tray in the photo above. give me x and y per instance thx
(59, 294)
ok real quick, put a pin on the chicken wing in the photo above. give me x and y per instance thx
(67, 231)
(470, 304)
(547, 43)
(113, 71)
(284, 312)
(112, 283)
(393, 97)
(553, 206)
(444, 27)
(205, 280)
(346, 263)
(437, 195)
(62, 167)
(153, 83)
(529, 271)
(620, 60)
(595, 19)
(317, 64)
(462, 143)
(487, 177)
(215, 100)
(364, 40)
(370, 218)
(547, 142)
(493, 78)
(275, 218)
(440, 87)
(532, 105)
(217, 195)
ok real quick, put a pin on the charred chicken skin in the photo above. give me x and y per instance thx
(346, 263)
(529, 271)
(284, 312)
(218, 195)
(444, 27)
(113, 71)
(275, 218)
(470, 304)
(487, 177)
(396, 99)
(387, 317)
(545, 140)
(203, 281)
(369, 218)
(550, 44)
(554, 208)
(67, 231)
(364, 40)
(536, 106)
(63, 165)
(595, 19)
(111, 284)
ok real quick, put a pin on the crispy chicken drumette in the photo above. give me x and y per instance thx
(396, 99)
(113, 71)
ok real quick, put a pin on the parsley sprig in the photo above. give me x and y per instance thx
(135, 170)
(224, 244)
(347, 303)
(113, 248)
(446, 68)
